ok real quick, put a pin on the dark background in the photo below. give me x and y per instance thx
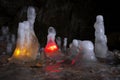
(73, 19)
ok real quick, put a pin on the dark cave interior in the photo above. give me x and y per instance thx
(73, 19)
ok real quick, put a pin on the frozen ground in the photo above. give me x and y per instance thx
(57, 71)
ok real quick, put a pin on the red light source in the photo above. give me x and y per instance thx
(50, 48)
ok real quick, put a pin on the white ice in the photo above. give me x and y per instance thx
(65, 45)
(65, 42)
(31, 15)
(74, 49)
(58, 40)
(100, 38)
(51, 34)
(87, 51)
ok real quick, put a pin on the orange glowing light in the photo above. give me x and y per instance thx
(17, 51)
(51, 47)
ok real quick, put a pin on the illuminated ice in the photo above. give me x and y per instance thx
(87, 51)
(27, 43)
(100, 38)
(51, 48)
(51, 34)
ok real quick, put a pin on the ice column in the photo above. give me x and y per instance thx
(58, 40)
(100, 38)
(65, 42)
(65, 45)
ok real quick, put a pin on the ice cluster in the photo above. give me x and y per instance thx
(27, 46)
(27, 43)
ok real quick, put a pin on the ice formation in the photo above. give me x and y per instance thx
(100, 38)
(51, 34)
(58, 40)
(5, 30)
(65, 45)
(74, 49)
(87, 51)
(65, 42)
(9, 48)
(27, 43)
(5, 33)
(31, 15)
(8, 40)
(51, 48)
(13, 39)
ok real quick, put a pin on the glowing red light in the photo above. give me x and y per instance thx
(51, 47)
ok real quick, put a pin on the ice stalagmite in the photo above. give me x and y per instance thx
(52, 50)
(65, 45)
(74, 51)
(51, 47)
(87, 51)
(27, 43)
(58, 40)
(100, 38)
